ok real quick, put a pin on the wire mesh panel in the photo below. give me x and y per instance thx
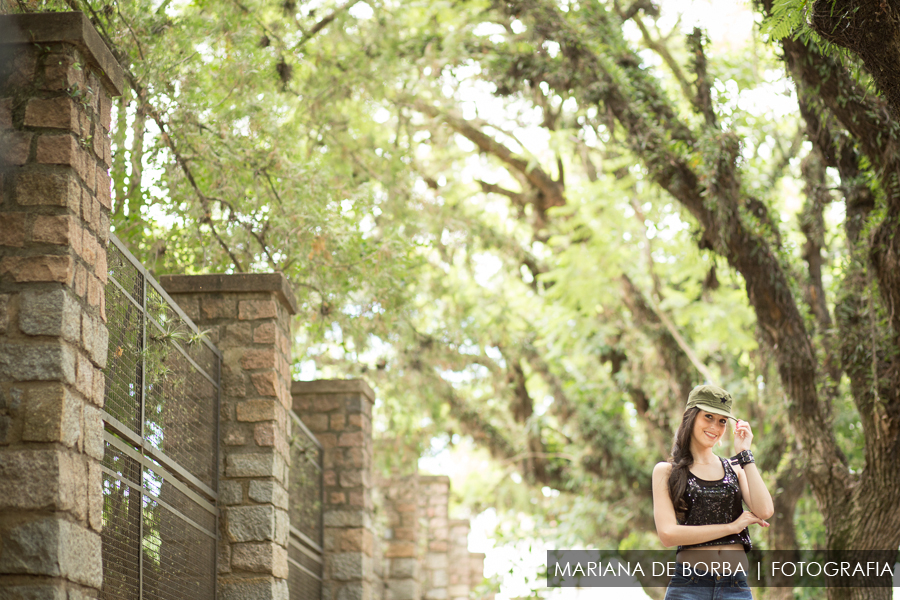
(159, 471)
(305, 545)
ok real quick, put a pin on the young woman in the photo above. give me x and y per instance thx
(697, 501)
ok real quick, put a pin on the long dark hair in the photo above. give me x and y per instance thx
(681, 460)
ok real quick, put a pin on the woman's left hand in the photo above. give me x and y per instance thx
(743, 435)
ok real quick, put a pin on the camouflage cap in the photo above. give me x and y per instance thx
(711, 398)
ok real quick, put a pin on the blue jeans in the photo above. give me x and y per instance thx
(691, 586)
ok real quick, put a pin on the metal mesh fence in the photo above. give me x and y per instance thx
(305, 547)
(159, 471)
(304, 575)
(306, 483)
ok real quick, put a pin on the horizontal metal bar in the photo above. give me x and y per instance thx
(306, 540)
(143, 490)
(152, 281)
(167, 462)
(128, 295)
(302, 568)
(305, 550)
(172, 465)
(305, 429)
(122, 429)
(145, 461)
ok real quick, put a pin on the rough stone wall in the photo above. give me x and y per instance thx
(339, 413)
(434, 498)
(458, 557)
(476, 575)
(247, 317)
(54, 228)
(401, 535)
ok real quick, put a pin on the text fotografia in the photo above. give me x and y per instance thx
(655, 568)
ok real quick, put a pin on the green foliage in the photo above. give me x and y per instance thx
(393, 160)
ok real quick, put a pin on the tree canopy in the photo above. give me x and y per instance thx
(537, 225)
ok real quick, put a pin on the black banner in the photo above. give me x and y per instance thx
(771, 568)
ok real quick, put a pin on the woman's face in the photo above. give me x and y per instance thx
(709, 428)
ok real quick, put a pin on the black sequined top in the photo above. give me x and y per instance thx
(714, 503)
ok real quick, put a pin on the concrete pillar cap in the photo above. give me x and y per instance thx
(65, 27)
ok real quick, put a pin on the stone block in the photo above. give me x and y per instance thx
(404, 568)
(4, 312)
(85, 374)
(52, 415)
(337, 422)
(57, 113)
(439, 578)
(264, 433)
(251, 523)
(269, 492)
(54, 547)
(346, 518)
(351, 479)
(351, 439)
(95, 339)
(353, 591)
(217, 308)
(258, 359)
(237, 334)
(231, 492)
(264, 333)
(436, 594)
(95, 496)
(52, 312)
(36, 591)
(263, 588)
(249, 310)
(316, 422)
(60, 230)
(407, 534)
(234, 434)
(48, 268)
(14, 147)
(104, 189)
(5, 423)
(403, 589)
(37, 362)
(257, 557)
(258, 410)
(253, 465)
(61, 73)
(282, 526)
(6, 113)
(265, 383)
(399, 549)
(13, 231)
(436, 560)
(346, 566)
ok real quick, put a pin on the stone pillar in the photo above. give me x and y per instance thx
(248, 318)
(56, 83)
(434, 499)
(339, 413)
(458, 558)
(401, 563)
(476, 573)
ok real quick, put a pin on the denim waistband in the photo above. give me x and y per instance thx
(700, 574)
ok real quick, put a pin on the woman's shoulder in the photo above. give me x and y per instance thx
(662, 468)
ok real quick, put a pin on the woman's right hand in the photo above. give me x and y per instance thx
(746, 519)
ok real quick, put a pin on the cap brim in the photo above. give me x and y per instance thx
(715, 410)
